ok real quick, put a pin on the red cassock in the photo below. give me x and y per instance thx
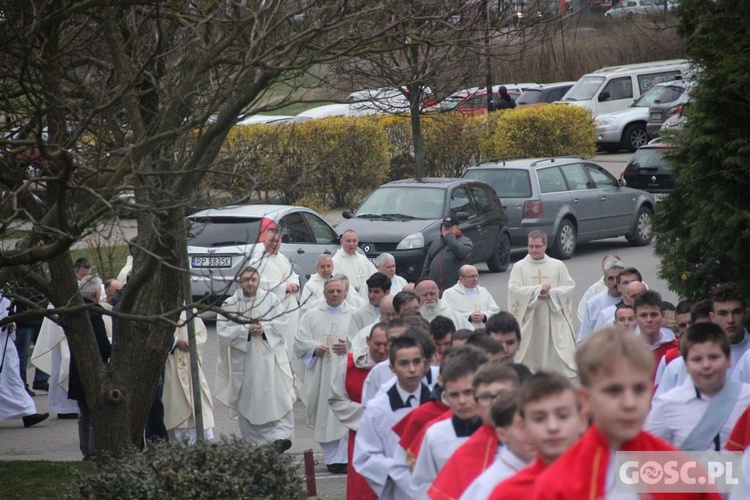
(465, 465)
(415, 422)
(356, 485)
(580, 473)
(520, 484)
(662, 351)
(739, 439)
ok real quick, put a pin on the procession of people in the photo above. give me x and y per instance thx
(431, 389)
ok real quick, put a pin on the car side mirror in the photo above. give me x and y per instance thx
(347, 214)
(622, 182)
(604, 96)
(461, 216)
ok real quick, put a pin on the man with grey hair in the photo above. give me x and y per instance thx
(610, 297)
(312, 293)
(596, 288)
(320, 343)
(91, 288)
(386, 264)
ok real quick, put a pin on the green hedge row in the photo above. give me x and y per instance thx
(336, 161)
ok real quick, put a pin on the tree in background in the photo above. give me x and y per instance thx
(704, 225)
(100, 98)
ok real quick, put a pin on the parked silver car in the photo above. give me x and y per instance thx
(222, 240)
(672, 102)
(627, 128)
(571, 199)
(631, 8)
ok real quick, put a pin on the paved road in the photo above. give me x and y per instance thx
(58, 439)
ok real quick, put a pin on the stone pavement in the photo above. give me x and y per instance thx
(57, 439)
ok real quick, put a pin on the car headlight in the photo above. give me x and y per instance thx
(414, 240)
(605, 121)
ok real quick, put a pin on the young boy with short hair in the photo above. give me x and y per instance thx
(515, 453)
(491, 381)
(650, 318)
(376, 445)
(699, 414)
(443, 438)
(615, 373)
(553, 422)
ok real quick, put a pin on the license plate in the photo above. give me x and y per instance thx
(210, 261)
(372, 259)
(655, 116)
(660, 196)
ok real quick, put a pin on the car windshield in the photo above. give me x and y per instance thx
(584, 89)
(671, 93)
(507, 183)
(406, 202)
(451, 102)
(223, 231)
(530, 96)
(652, 94)
(648, 160)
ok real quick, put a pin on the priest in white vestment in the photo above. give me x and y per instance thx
(469, 299)
(540, 297)
(15, 402)
(321, 344)
(602, 300)
(595, 288)
(278, 277)
(312, 292)
(253, 377)
(387, 313)
(430, 305)
(179, 408)
(386, 263)
(356, 266)
(52, 355)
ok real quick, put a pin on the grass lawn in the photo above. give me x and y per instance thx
(41, 479)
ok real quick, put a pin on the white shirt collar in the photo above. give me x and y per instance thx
(405, 395)
(334, 310)
(510, 459)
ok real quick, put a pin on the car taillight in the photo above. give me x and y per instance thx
(265, 225)
(532, 209)
(674, 110)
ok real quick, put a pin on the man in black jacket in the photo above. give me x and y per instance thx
(447, 254)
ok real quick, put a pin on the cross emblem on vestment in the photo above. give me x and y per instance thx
(539, 277)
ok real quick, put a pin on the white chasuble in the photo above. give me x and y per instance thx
(253, 377)
(357, 268)
(548, 341)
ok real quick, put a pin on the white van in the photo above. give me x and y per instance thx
(615, 87)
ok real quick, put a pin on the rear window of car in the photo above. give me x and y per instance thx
(223, 231)
(530, 96)
(649, 160)
(670, 94)
(507, 183)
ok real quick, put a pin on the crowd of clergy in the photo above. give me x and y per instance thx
(413, 393)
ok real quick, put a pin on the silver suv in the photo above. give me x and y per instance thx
(571, 199)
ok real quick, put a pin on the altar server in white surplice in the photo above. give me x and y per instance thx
(253, 377)
(321, 344)
(469, 299)
(430, 305)
(278, 277)
(356, 266)
(52, 355)
(540, 297)
(377, 454)
(378, 286)
(179, 409)
(386, 263)
(15, 402)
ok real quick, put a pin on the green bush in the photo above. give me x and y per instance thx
(225, 469)
(551, 130)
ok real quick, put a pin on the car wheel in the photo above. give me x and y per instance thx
(500, 260)
(643, 230)
(565, 240)
(634, 137)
